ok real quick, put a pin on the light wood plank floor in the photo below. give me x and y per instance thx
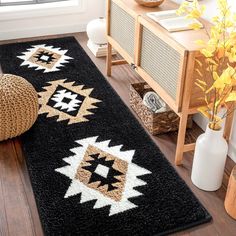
(18, 213)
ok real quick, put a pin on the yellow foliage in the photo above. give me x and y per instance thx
(231, 97)
(205, 111)
(195, 26)
(232, 55)
(201, 87)
(220, 54)
(215, 75)
(192, 10)
(215, 19)
(198, 62)
(200, 42)
(203, 83)
(194, 14)
(199, 72)
(211, 61)
(226, 77)
(206, 53)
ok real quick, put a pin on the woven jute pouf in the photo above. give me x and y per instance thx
(18, 106)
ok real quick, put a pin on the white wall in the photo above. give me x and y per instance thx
(20, 24)
(201, 121)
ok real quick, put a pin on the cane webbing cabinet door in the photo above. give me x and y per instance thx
(162, 63)
(122, 30)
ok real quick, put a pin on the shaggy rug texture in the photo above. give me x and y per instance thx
(93, 169)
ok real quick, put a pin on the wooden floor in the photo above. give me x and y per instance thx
(18, 213)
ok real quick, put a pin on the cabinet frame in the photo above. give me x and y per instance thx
(181, 104)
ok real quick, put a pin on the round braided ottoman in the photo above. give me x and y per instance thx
(18, 106)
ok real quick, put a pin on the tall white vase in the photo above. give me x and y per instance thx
(209, 160)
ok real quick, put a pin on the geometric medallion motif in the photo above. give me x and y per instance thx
(44, 57)
(102, 173)
(66, 101)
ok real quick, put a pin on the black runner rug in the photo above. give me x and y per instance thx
(94, 170)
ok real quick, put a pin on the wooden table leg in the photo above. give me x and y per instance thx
(188, 84)
(109, 58)
(181, 139)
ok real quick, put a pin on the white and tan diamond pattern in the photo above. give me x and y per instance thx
(61, 96)
(67, 101)
(102, 173)
(46, 58)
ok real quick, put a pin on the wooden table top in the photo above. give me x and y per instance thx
(185, 38)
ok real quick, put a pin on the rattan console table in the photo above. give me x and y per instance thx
(166, 61)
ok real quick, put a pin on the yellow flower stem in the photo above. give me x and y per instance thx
(213, 113)
(229, 110)
(224, 36)
(228, 113)
(224, 97)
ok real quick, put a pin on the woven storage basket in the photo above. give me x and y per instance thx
(156, 123)
(18, 106)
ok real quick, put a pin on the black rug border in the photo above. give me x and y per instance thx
(208, 217)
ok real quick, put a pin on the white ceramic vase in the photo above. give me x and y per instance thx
(96, 31)
(209, 160)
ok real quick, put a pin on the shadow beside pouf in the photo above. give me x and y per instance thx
(18, 106)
